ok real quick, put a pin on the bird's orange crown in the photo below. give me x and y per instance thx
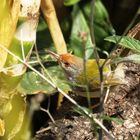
(67, 58)
(71, 60)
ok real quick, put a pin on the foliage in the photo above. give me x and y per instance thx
(15, 78)
(126, 42)
(80, 26)
(28, 86)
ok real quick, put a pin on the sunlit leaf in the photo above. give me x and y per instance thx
(14, 120)
(32, 83)
(126, 42)
(7, 26)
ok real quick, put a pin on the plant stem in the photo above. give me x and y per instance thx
(92, 32)
(84, 39)
(59, 90)
(118, 50)
(103, 127)
(42, 76)
(43, 67)
(53, 25)
(100, 68)
(49, 114)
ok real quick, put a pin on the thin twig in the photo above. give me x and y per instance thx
(92, 32)
(43, 130)
(22, 45)
(48, 110)
(115, 49)
(107, 94)
(117, 42)
(84, 39)
(61, 91)
(39, 61)
(100, 68)
(43, 77)
(103, 127)
(49, 114)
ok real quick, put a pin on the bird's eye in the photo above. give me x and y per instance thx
(66, 64)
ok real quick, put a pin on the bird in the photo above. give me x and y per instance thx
(81, 74)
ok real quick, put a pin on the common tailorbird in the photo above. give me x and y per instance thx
(80, 74)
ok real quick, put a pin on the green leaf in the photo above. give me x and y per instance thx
(18, 112)
(126, 42)
(80, 26)
(114, 119)
(16, 49)
(70, 2)
(32, 83)
(83, 111)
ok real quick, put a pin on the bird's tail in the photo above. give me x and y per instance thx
(117, 76)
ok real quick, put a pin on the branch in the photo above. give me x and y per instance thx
(53, 25)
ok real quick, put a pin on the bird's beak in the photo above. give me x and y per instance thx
(56, 56)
